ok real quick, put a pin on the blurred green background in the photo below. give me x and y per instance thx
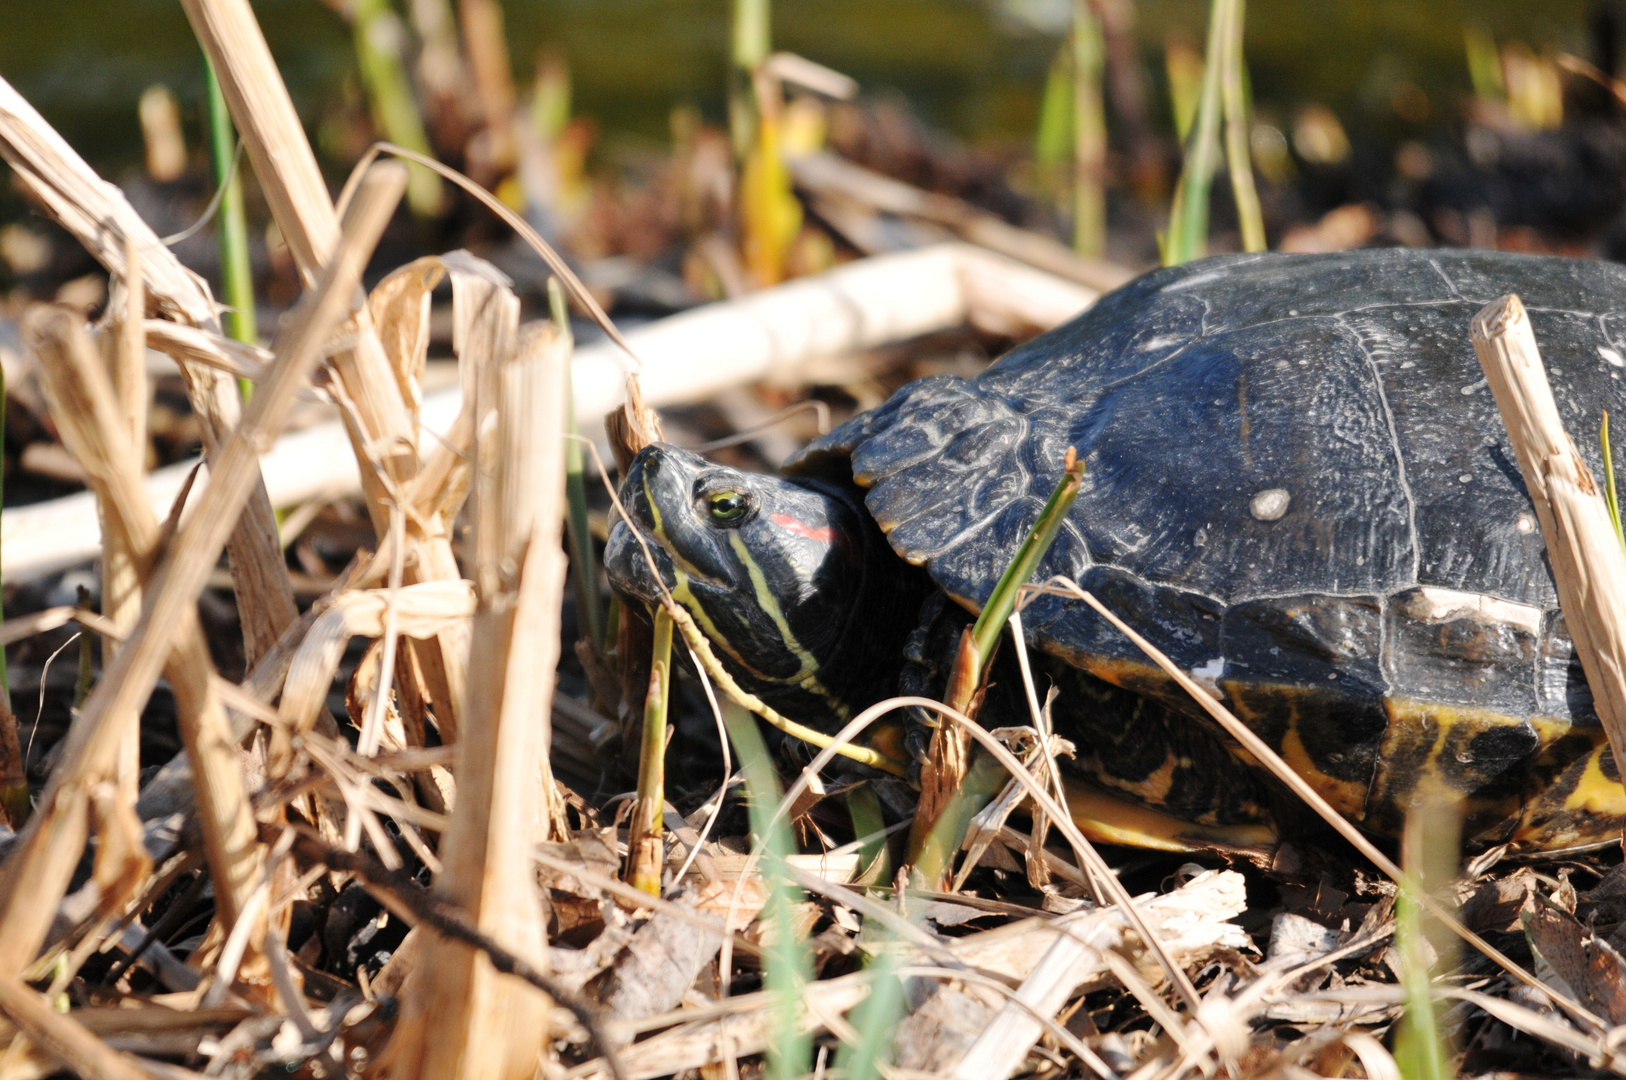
(974, 68)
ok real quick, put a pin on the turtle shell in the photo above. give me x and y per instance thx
(1298, 486)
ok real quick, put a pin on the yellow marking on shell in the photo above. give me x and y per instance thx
(1348, 797)
(1157, 785)
(1595, 793)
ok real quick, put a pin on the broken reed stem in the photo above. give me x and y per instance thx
(944, 795)
(1583, 548)
(486, 1024)
(101, 219)
(236, 271)
(644, 842)
(381, 428)
(122, 564)
(272, 134)
(36, 874)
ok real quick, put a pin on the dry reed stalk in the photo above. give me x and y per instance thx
(63, 1036)
(36, 873)
(85, 407)
(1589, 567)
(487, 1025)
(100, 218)
(383, 435)
(121, 575)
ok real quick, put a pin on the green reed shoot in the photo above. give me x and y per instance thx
(864, 806)
(786, 967)
(1484, 65)
(1053, 138)
(236, 271)
(875, 1019)
(379, 35)
(936, 841)
(1610, 496)
(589, 607)
(997, 611)
(1089, 132)
(751, 40)
(1238, 155)
(1223, 94)
(644, 833)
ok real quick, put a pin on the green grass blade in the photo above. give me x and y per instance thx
(236, 271)
(1187, 237)
(1611, 497)
(876, 1020)
(786, 968)
(997, 612)
(1431, 845)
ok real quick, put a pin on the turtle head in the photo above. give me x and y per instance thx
(773, 570)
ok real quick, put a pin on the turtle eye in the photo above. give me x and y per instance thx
(727, 507)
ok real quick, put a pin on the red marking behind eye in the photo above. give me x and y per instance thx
(825, 535)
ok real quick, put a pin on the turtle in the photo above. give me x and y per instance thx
(1296, 485)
